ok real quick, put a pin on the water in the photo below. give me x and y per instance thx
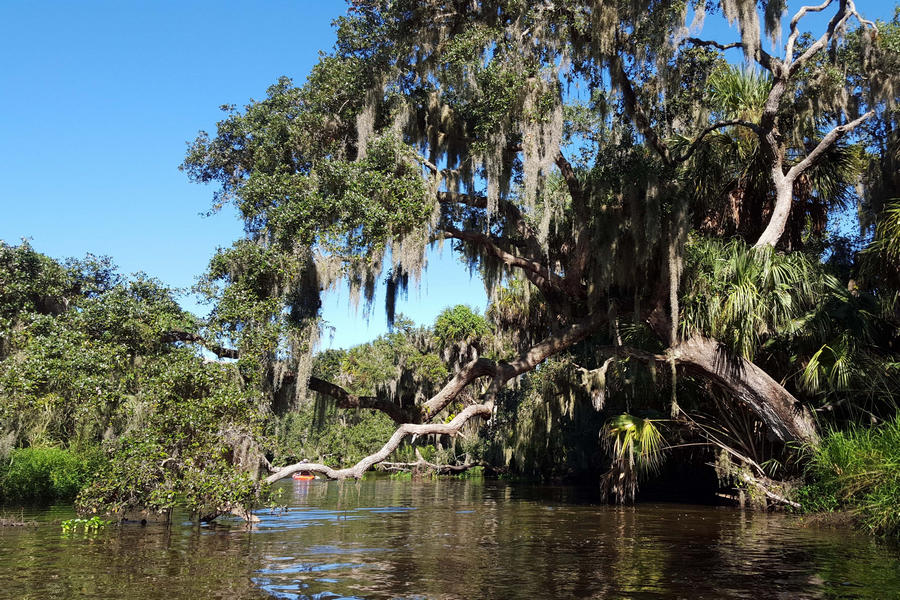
(451, 539)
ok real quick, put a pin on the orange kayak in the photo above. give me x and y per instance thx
(301, 476)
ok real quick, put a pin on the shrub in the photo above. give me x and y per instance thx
(45, 474)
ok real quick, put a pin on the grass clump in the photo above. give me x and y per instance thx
(44, 475)
(858, 471)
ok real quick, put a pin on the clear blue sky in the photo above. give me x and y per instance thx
(97, 101)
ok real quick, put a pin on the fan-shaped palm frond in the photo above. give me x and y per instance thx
(739, 93)
(742, 297)
(635, 446)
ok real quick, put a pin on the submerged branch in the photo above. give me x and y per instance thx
(423, 464)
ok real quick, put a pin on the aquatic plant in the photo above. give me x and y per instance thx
(91, 525)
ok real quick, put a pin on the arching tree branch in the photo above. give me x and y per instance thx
(356, 471)
(344, 399)
(501, 373)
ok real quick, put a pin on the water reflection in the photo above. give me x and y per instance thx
(454, 539)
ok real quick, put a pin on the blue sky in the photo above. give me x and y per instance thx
(97, 101)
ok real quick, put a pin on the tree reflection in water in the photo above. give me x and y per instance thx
(451, 539)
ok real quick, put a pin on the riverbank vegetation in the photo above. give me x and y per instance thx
(857, 470)
(666, 239)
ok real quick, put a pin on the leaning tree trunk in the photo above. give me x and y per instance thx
(786, 418)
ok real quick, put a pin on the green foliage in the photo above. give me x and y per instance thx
(71, 378)
(91, 525)
(189, 450)
(102, 370)
(328, 435)
(30, 283)
(743, 297)
(857, 470)
(635, 440)
(403, 365)
(635, 446)
(739, 94)
(46, 474)
(884, 250)
(461, 324)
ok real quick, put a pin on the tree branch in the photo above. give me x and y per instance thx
(641, 121)
(792, 38)
(440, 469)
(714, 44)
(765, 59)
(784, 183)
(830, 138)
(845, 11)
(507, 208)
(571, 179)
(356, 471)
(193, 338)
(578, 260)
(492, 244)
(772, 404)
(739, 122)
(344, 399)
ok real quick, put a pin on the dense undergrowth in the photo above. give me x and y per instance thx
(46, 474)
(858, 470)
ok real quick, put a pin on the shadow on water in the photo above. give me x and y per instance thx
(451, 539)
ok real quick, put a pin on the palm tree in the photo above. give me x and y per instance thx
(741, 199)
(635, 446)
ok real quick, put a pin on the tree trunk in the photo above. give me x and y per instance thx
(785, 417)
(784, 195)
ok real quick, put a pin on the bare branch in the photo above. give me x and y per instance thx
(789, 49)
(846, 10)
(714, 44)
(479, 367)
(501, 372)
(765, 59)
(792, 38)
(422, 463)
(193, 338)
(356, 471)
(829, 140)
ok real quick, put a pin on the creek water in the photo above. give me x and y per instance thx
(450, 539)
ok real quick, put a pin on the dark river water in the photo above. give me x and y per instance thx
(451, 539)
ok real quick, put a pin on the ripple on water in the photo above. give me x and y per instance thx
(450, 539)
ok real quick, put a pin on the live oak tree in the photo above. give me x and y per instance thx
(589, 159)
(89, 370)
